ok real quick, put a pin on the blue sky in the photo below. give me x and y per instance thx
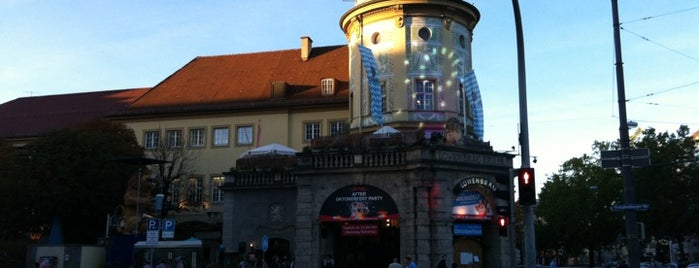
(58, 47)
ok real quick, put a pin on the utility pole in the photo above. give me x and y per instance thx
(632, 242)
(528, 210)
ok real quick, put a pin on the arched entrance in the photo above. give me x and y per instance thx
(360, 227)
(468, 252)
(278, 251)
(473, 211)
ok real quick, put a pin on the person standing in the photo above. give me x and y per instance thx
(180, 262)
(443, 262)
(394, 264)
(411, 263)
(328, 261)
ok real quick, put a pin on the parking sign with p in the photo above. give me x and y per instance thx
(153, 224)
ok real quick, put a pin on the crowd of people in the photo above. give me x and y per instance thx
(277, 262)
(177, 263)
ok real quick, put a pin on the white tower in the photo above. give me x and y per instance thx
(422, 50)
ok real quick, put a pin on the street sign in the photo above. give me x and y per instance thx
(265, 243)
(636, 158)
(168, 228)
(152, 238)
(636, 207)
(153, 224)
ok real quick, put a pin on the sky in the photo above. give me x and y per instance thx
(60, 47)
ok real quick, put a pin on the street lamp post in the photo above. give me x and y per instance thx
(529, 235)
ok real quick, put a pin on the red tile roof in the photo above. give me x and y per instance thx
(34, 116)
(244, 81)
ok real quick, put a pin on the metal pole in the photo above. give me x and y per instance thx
(510, 232)
(138, 199)
(529, 235)
(632, 242)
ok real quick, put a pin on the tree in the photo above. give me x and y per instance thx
(9, 183)
(574, 209)
(69, 176)
(575, 202)
(170, 177)
(669, 185)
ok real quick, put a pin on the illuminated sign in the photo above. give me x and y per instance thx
(358, 203)
(471, 205)
(468, 229)
(360, 230)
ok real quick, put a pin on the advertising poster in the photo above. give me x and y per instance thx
(358, 203)
(471, 205)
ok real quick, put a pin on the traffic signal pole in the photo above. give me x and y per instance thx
(632, 242)
(528, 210)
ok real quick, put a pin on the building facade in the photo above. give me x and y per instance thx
(391, 158)
(426, 188)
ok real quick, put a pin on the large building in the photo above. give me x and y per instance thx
(25, 119)
(376, 146)
(424, 189)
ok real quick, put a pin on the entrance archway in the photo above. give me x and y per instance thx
(278, 251)
(468, 252)
(360, 227)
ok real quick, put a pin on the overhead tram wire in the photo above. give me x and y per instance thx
(661, 15)
(663, 91)
(660, 45)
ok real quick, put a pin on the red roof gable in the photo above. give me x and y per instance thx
(227, 81)
(35, 116)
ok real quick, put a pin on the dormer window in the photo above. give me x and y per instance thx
(327, 87)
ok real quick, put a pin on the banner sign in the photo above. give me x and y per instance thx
(473, 95)
(468, 229)
(372, 74)
(358, 203)
(360, 230)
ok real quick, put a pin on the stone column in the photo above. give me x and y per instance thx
(306, 236)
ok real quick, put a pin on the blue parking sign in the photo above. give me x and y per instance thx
(153, 224)
(169, 228)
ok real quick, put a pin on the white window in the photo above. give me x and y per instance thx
(337, 128)
(174, 138)
(221, 136)
(327, 86)
(194, 192)
(424, 94)
(151, 139)
(197, 137)
(244, 135)
(311, 131)
(216, 192)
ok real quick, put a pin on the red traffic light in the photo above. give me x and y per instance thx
(502, 221)
(526, 176)
(527, 186)
(502, 226)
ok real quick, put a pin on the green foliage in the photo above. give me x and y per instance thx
(670, 184)
(68, 174)
(575, 203)
(575, 206)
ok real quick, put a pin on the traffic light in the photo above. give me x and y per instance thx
(527, 186)
(502, 225)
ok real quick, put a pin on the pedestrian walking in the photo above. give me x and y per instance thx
(394, 264)
(411, 263)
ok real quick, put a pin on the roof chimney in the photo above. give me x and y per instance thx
(306, 46)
